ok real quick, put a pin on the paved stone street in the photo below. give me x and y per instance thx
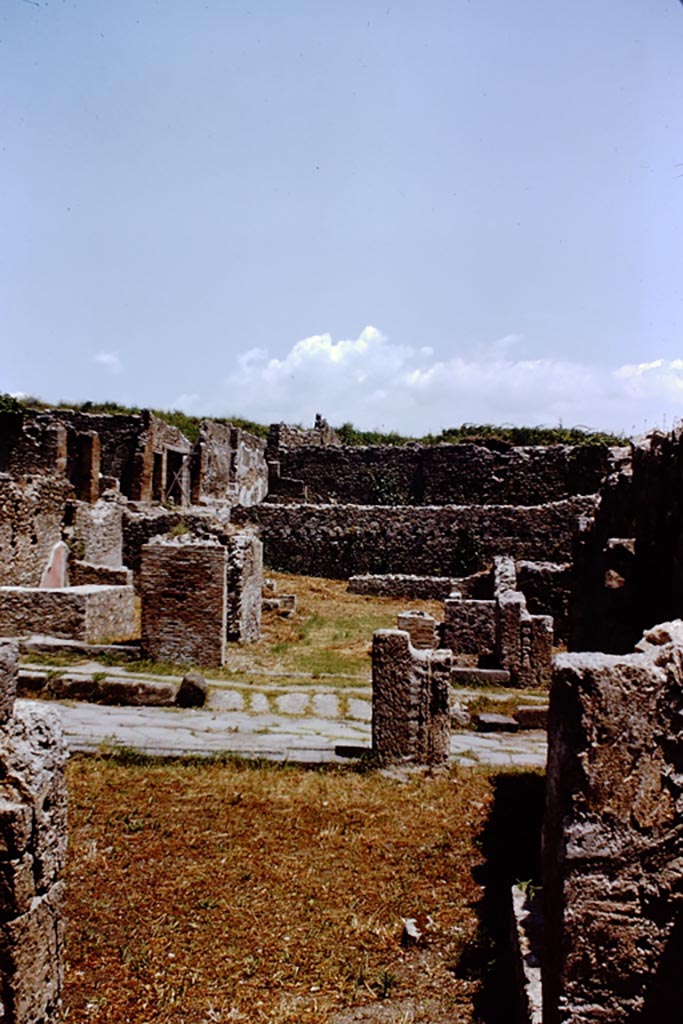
(301, 723)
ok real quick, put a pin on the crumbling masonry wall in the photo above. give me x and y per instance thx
(31, 514)
(338, 541)
(443, 474)
(411, 722)
(613, 836)
(229, 465)
(33, 835)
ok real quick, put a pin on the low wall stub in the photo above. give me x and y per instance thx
(90, 613)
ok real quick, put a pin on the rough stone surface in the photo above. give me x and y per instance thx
(9, 653)
(97, 532)
(444, 474)
(229, 465)
(613, 838)
(244, 583)
(410, 701)
(90, 613)
(193, 691)
(420, 627)
(423, 588)
(338, 541)
(184, 592)
(33, 837)
(31, 514)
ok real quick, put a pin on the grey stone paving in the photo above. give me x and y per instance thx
(298, 722)
(179, 732)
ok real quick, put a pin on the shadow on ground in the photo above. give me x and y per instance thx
(511, 846)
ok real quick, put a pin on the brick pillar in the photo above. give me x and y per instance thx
(183, 590)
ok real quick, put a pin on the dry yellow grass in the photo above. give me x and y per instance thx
(214, 893)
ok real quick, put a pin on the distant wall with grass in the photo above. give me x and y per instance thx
(446, 474)
(338, 541)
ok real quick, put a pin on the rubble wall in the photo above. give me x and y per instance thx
(445, 474)
(97, 535)
(33, 837)
(91, 613)
(613, 835)
(31, 514)
(338, 541)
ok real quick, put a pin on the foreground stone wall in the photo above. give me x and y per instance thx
(613, 837)
(444, 474)
(31, 514)
(339, 541)
(91, 613)
(411, 722)
(184, 592)
(33, 837)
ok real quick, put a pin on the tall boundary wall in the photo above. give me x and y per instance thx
(338, 541)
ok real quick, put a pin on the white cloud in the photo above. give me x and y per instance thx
(109, 361)
(375, 383)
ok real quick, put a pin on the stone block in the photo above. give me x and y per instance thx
(245, 587)
(469, 626)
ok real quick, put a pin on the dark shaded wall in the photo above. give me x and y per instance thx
(339, 541)
(445, 474)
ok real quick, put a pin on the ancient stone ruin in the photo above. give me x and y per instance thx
(32, 849)
(528, 548)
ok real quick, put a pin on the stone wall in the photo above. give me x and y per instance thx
(97, 531)
(425, 588)
(339, 541)
(411, 721)
(613, 836)
(229, 465)
(31, 514)
(502, 630)
(184, 592)
(92, 613)
(547, 589)
(628, 562)
(245, 587)
(33, 834)
(32, 444)
(444, 474)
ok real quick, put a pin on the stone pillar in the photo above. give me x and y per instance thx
(411, 720)
(245, 587)
(32, 849)
(183, 591)
(613, 835)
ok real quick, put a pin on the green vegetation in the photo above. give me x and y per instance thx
(484, 432)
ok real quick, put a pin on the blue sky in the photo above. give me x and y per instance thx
(404, 215)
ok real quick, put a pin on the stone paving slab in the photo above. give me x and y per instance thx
(178, 732)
